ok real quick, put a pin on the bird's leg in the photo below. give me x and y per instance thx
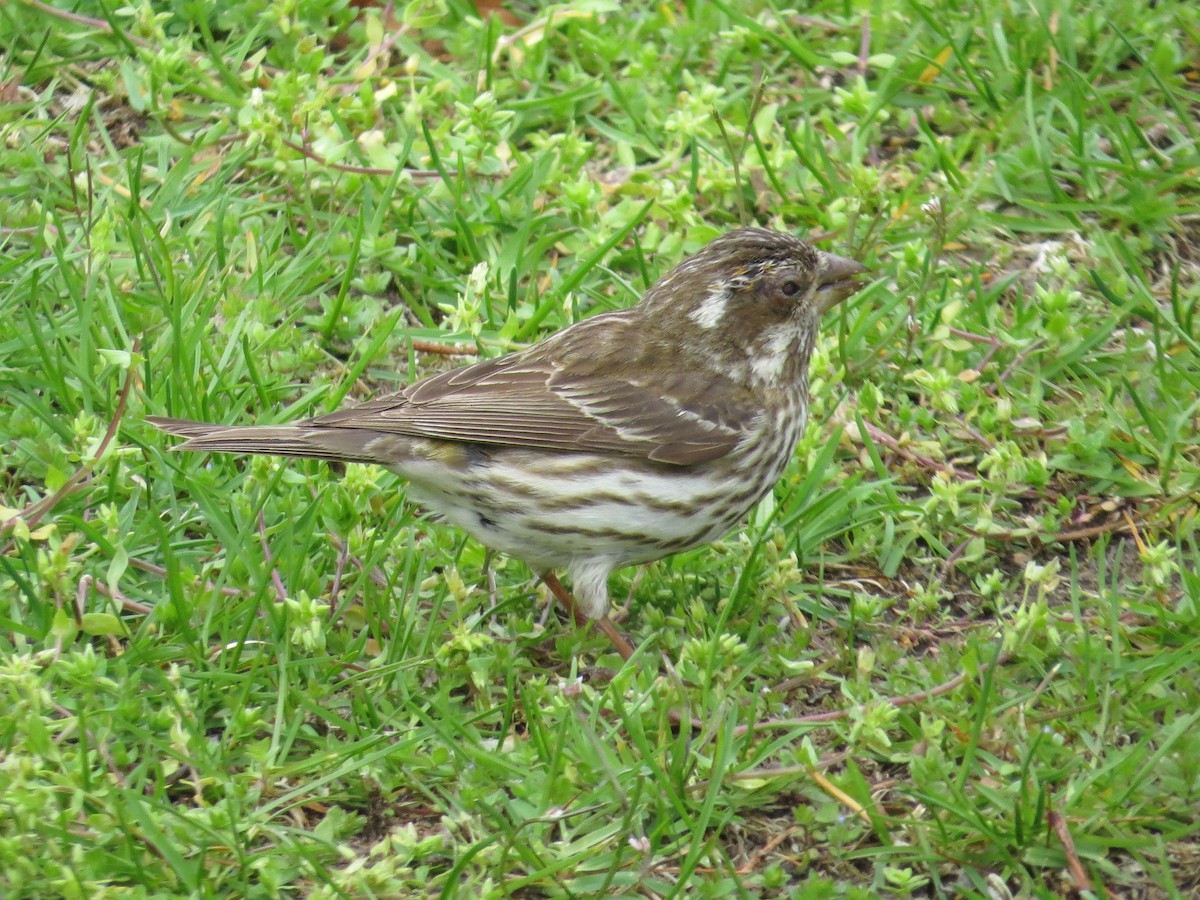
(603, 624)
(563, 596)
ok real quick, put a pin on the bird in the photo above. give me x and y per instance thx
(621, 439)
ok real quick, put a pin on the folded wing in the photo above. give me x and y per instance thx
(534, 401)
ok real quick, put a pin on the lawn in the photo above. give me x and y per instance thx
(955, 654)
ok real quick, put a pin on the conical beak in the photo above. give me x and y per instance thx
(838, 279)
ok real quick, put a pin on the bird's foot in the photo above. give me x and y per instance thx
(604, 624)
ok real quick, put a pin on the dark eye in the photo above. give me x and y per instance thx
(789, 288)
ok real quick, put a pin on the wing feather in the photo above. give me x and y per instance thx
(539, 402)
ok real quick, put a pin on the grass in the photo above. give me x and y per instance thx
(265, 678)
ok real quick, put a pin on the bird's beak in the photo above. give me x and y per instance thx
(837, 280)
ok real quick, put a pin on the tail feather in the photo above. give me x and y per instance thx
(301, 441)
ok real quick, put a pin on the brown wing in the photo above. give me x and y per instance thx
(530, 399)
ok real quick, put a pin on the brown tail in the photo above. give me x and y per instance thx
(303, 441)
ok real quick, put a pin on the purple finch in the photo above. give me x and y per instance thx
(619, 440)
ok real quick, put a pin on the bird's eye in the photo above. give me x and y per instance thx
(789, 289)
